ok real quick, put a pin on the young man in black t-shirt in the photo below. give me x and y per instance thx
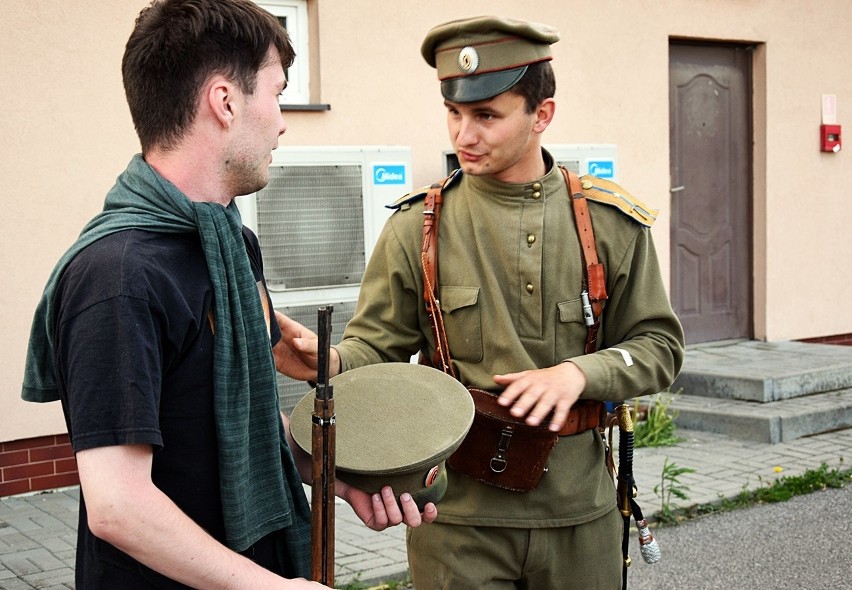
(155, 329)
(116, 299)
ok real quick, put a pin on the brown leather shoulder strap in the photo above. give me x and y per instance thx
(594, 287)
(429, 262)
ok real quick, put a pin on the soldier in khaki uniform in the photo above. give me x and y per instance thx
(510, 277)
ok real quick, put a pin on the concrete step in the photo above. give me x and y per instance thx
(756, 371)
(768, 422)
(769, 392)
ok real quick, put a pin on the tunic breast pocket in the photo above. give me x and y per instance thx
(463, 322)
(570, 329)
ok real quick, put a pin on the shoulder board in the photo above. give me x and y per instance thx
(607, 192)
(420, 193)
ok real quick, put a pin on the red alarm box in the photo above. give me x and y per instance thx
(829, 138)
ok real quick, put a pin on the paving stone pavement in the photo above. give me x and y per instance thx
(38, 536)
(38, 532)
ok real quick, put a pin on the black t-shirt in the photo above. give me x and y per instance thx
(134, 359)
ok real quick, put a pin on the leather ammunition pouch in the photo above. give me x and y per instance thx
(505, 452)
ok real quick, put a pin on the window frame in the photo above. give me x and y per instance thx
(295, 13)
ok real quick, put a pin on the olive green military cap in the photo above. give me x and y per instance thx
(481, 57)
(395, 424)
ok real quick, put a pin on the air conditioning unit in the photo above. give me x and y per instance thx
(597, 159)
(317, 221)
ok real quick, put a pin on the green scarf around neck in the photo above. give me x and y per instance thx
(259, 484)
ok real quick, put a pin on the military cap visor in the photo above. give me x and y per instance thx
(481, 87)
(396, 424)
(481, 57)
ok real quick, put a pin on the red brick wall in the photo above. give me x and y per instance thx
(36, 464)
(845, 339)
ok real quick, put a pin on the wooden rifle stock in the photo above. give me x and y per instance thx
(323, 460)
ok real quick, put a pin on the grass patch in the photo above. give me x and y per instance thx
(780, 490)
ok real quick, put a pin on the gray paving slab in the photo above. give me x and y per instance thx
(37, 531)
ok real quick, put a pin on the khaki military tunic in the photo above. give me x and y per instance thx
(510, 275)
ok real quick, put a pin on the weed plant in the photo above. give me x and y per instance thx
(658, 427)
(671, 485)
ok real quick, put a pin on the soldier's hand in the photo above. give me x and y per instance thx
(537, 393)
(380, 511)
(296, 352)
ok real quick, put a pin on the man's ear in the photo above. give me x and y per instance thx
(220, 96)
(544, 114)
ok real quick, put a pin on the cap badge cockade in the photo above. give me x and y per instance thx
(468, 60)
(432, 476)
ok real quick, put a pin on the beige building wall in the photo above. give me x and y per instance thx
(67, 132)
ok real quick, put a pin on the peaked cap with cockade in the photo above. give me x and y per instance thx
(478, 58)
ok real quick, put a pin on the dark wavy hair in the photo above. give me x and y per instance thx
(177, 45)
(537, 83)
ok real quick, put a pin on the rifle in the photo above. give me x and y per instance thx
(323, 460)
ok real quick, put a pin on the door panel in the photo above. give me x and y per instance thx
(709, 117)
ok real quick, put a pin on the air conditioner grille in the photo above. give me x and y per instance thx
(310, 222)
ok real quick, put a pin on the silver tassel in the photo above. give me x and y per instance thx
(647, 544)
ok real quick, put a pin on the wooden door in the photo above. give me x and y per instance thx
(711, 235)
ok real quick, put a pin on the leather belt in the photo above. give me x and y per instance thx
(584, 415)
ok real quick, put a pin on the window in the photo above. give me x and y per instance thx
(293, 15)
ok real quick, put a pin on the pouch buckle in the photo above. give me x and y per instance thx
(498, 461)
